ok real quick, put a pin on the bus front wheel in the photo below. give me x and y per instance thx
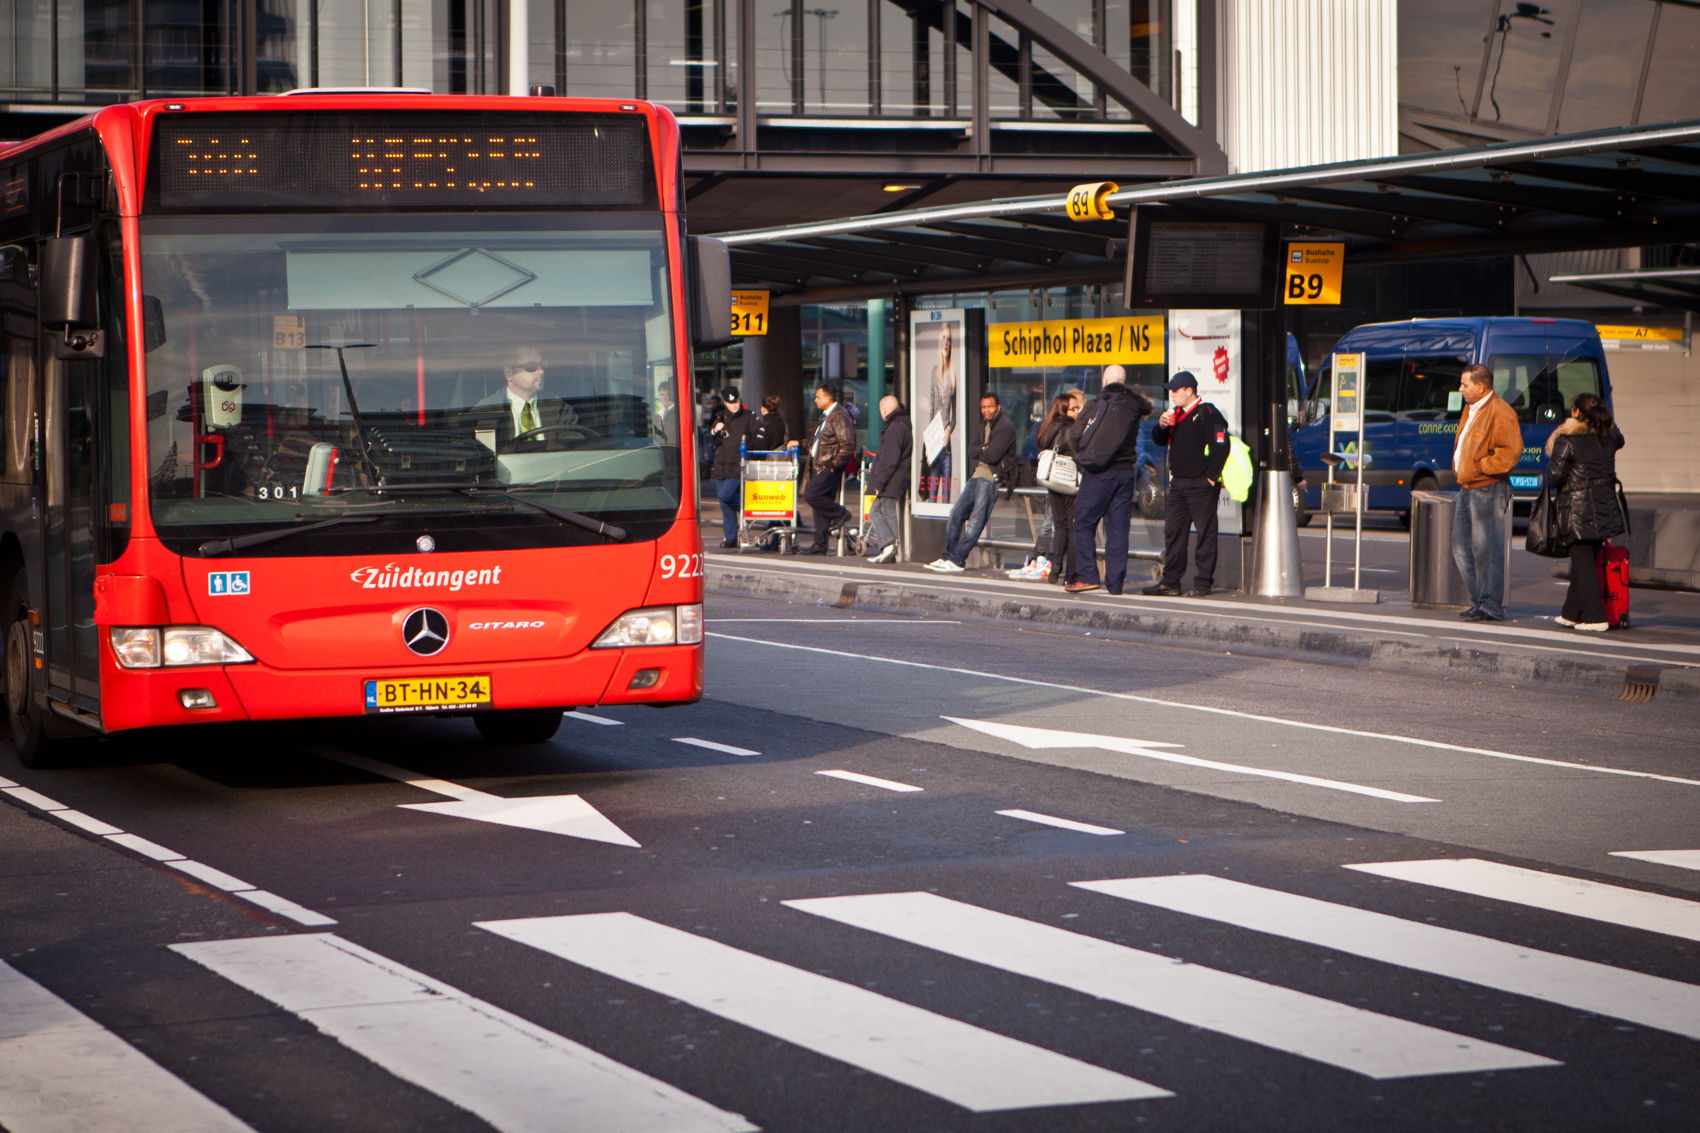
(518, 725)
(26, 717)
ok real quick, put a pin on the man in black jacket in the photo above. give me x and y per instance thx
(988, 455)
(1197, 438)
(728, 433)
(1106, 440)
(888, 479)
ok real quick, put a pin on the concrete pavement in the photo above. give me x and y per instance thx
(1656, 660)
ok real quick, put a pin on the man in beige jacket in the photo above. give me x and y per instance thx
(1489, 444)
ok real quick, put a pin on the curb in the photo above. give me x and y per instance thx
(1636, 680)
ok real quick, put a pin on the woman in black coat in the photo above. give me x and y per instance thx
(1582, 476)
(1056, 433)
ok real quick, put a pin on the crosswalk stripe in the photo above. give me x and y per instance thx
(1651, 1001)
(61, 1072)
(964, 1064)
(511, 1073)
(1574, 896)
(1682, 859)
(1305, 1025)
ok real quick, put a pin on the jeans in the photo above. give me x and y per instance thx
(883, 527)
(968, 517)
(1191, 502)
(1106, 496)
(1478, 544)
(731, 501)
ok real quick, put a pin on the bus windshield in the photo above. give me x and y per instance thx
(309, 368)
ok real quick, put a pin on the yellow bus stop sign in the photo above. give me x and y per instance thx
(1313, 274)
(749, 312)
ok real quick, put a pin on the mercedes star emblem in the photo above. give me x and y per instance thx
(426, 631)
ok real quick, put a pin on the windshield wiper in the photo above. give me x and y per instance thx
(474, 490)
(214, 547)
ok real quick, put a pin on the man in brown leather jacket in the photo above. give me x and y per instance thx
(830, 455)
(1489, 445)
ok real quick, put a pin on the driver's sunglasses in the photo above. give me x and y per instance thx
(528, 367)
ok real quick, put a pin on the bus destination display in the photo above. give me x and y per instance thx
(346, 161)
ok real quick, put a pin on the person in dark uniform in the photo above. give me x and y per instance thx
(527, 411)
(1196, 435)
(730, 435)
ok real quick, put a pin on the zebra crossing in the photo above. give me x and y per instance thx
(514, 1074)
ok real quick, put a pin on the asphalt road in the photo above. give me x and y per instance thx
(892, 874)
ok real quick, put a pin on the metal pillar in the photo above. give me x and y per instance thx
(1277, 569)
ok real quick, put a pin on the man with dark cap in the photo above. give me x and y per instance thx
(1196, 435)
(730, 429)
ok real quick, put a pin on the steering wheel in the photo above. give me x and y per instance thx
(553, 432)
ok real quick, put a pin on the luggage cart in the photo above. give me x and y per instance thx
(769, 493)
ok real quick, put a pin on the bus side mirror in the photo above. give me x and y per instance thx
(70, 299)
(711, 293)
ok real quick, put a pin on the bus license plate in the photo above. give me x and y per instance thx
(1526, 483)
(425, 694)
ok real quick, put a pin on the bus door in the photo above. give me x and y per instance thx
(69, 530)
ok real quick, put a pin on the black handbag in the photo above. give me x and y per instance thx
(1542, 537)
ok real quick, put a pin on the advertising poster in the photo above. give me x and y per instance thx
(1208, 344)
(938, 400)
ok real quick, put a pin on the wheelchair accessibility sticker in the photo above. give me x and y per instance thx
(221, 582)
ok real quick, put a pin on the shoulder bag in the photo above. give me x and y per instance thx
(1058, 472)
(1542, 537)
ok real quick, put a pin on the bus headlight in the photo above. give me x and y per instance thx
(153, 647)
(654, 625)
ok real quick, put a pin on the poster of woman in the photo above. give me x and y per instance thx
(938, 389)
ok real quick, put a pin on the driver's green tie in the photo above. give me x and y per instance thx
(527, 418)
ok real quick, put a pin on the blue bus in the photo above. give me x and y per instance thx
(1411, 400)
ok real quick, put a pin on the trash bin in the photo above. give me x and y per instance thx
(1435, 580)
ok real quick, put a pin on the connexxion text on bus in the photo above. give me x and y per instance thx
(1412, 404)
(337, 404)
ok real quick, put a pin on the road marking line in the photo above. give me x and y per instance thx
(1052, 738)
(1573, 896)
(712, 746)
(499, 1067)
(869, 780)
(1309, 1026)
(65, 1073)
(86, 822)
(1135, 698)
(218, 879)
(973, 1068)
(1617, 993)
(34, 798)
(1060, 823)
(147, 849)
(1682, 859)
(590, 719)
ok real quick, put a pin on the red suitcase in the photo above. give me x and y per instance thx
(1614, 583)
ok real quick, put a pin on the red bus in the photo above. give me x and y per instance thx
(332, 404)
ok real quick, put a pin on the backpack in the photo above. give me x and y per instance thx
(1113, 419)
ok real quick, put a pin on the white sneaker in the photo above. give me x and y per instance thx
(886, 555)
(1028, 571)
(937, 564)
(945, 566)
(1562, 620)
(1593, 627)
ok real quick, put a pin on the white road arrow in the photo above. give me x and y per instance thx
(551, 814)
(1050, 737)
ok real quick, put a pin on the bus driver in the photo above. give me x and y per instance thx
(527, 412)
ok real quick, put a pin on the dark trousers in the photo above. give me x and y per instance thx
(820, 492)
(1106, 496)
(1583, 602)
(1062, 536)
(1191, 503)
